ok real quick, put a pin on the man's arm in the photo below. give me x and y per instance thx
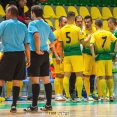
(27, 52)
(56, 55)
(37, 43)
(61, 50)
(92, 50)
(52, 43)
(84, 41)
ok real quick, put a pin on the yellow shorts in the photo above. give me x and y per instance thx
(73, 64)
(58, 68)
(104, 68)
(89, 65)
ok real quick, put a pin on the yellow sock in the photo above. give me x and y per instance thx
(9, 85)
(61, 86)
(66, 86)
(103, 87)
(57, 85)
(107, 92)
(99, 88)
(87, 84)
(79, 86)
(21, 85)
(110, 86)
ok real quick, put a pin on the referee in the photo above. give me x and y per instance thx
(14, 36)
(39, 33)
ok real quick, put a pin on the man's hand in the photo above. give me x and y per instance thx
(40, 52)
(28, 64)
(89, 36)
(112, 54)
(58, 60)
(94, 56)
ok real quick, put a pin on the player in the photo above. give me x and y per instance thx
(70, 38)
(58, 82)
(89, 62)
(112, 24)
(101, 41)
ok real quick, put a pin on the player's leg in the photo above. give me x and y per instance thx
(9, 85)
(109, 78)
(99, 89)
(58, 84)
(67, 70)
(44, 74)
(100, 72)
(77, 64)
(19, 75)
(72, 87)
(88, 61)
(34, 73)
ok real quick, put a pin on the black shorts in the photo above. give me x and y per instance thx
(12, 66)
(39, 65)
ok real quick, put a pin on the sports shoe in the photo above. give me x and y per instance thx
(13, 109)
(73, 97)
(95, 96)
(31, 109)
(90, 98)
(111, 99)
(100, 99)
(62, 97)
(46, 108)
(67, 99)
(105, 100)
(9, 98)
(79, 99)
(59, 98)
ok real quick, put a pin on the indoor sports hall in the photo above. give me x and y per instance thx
(52, 11)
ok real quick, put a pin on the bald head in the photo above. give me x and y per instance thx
(11, 11)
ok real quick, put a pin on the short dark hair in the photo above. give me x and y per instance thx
(61, 18)
(13, 9)
(70, 14)
(37, 10)
(78, 16)
(88, 17)
(99, 22)
(113, 20)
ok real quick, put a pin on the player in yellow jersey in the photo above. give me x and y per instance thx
(58, 67)
(70, 38)
(112, 24)
(101, 41)
(89, 62)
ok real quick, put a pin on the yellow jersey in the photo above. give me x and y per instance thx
(70, 36)
(86, 47)
(102, 43)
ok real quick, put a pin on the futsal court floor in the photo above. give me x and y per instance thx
(63, 109)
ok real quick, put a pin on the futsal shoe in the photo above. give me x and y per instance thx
(31, 109)
(46, 108)
(13, 109)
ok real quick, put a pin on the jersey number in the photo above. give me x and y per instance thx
(104, 38)
(67, 36)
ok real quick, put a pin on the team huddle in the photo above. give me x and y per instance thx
(83, 50)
